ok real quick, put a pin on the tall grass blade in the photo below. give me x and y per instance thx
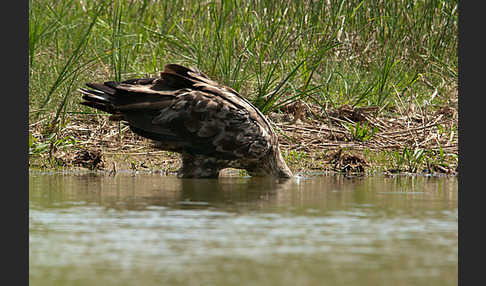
(67, 69)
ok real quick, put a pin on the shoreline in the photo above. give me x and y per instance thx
(349, 141)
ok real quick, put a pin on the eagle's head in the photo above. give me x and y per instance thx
(273, 164)
(278, 167)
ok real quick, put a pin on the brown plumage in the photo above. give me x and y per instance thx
(211, 125)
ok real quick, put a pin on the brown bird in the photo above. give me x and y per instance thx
(184, 111)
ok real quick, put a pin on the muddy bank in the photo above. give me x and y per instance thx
(345, 140)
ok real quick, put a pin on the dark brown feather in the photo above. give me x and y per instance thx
(187, 112)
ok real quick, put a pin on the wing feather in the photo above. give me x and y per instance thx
(187, 112)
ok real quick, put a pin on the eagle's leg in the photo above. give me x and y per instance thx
(194, 166)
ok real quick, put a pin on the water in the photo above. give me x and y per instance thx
(150, 229)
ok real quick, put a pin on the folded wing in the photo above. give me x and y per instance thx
(186, 112)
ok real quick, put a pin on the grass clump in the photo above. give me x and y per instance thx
(362, 132)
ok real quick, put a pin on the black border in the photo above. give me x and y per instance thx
(15, 129)
(471, 111)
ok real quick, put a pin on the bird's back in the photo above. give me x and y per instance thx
(186, 112)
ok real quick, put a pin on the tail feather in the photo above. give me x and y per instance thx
(102, 87)
(134, 94)
(97, 98)
(141, 81)
(99, 106)
(143, 93)
(90, 91)
(93, 95)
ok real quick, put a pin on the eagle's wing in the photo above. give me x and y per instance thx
(186, 112)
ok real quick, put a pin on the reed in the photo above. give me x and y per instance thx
(334, 52)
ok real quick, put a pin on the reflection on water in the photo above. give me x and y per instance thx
(155, 230)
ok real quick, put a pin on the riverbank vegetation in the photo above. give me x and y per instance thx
(352, 86)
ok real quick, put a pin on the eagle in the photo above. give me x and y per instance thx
(184, 111)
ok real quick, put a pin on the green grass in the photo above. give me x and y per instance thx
(361, 132)
(334, 52)
(417, 160)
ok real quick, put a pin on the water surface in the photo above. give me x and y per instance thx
(148, 229)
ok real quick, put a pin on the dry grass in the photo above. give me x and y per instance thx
(411, 131)
(311, 139)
